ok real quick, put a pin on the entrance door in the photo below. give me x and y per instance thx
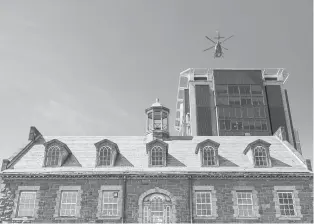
(157, 209)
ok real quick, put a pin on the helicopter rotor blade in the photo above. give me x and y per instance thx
(224, 48)
(210, 39)
(208, 48)
(227, 38)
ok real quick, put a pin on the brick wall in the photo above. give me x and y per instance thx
(179, 188)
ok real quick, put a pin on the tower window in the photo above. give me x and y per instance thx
(238, 112)
(246, 100)
(245, 90)
(222, 100)
(233, 90)
(250, 112)
(234, 100)
(221, 89)
(258, 125)
(246, 125)
(264, 125)
(256, 89)
(258, 100)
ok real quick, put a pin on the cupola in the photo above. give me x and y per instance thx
(157, 121)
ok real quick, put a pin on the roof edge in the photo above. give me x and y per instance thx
(219, 175)
(34, 137)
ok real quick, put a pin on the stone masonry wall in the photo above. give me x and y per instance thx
(178, 188)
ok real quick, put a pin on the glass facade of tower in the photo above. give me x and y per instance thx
(233, 102)
(241, 109)
(241, 103)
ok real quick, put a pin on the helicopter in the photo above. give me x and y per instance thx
(218, 45)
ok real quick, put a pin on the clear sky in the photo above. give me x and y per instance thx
(92, 67)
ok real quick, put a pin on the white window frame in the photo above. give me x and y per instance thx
(160, 158)
(30, 205)
(251, 189)
(63, 205)
(111, 188)
(165, 207)
(245, 204)
(296, 202)
(264, 150)
(55, 159)
(57, 214)
(213, 202)
(15, 213)
(156, 190)
(213, 152)
(109, 154)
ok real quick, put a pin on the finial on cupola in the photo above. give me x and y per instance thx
(157, 121)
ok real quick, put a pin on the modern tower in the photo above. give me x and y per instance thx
(233, 102)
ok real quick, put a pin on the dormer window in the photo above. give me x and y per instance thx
(56, 153)
(106, 153)
(209, 156)
(157, 151)
(53, 156)
(157, 158)
(105, 156)
(260, 156)
(209, 152)
(258, 153)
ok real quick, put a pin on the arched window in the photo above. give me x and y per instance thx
(53, 156)
(157, 157)
(104, 156)
(260, 156)
(157, 209)
(209, 156)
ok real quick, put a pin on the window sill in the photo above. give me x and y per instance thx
(109, 218)
(66, 218)
(23, 219)
(289, 218)
(205, 217)
(247, 218)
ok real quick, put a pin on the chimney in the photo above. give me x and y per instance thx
(33, 133)
(5, 164)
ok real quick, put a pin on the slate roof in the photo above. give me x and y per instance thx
(181, 156)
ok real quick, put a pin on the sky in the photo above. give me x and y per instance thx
(93, 67)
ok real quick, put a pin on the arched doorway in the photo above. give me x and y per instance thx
(157, 209)
(157, 206)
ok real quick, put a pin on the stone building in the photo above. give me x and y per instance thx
(209, 173)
